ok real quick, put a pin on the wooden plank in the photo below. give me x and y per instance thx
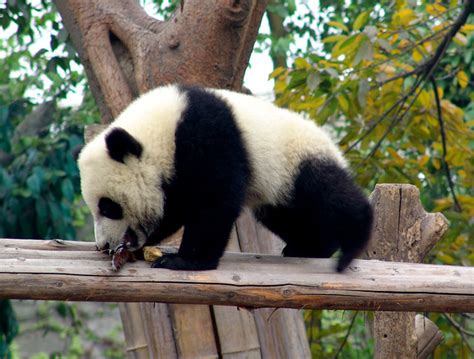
(138, 348)
(276, 337)
(195, 338)
(428, 336)
(158, 330)
(235, 328)
(247, 280)
(54, 244)
(237, 333)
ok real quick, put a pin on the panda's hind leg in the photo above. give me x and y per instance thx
(299, 227)
(326, 211)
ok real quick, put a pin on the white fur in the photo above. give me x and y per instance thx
(135, 185)
(276, 140)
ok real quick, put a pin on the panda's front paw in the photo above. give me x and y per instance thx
(174, 261)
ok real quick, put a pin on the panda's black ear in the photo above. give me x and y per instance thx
(120, 144)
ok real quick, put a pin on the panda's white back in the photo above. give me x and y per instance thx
(278, 140)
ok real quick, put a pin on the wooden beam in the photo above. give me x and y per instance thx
(74, 271)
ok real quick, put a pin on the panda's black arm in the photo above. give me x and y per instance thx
(172, 219)
(204, 240)
(166, 228)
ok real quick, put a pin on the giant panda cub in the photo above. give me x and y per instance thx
(195, 157)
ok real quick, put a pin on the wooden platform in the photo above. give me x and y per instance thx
(75, 271)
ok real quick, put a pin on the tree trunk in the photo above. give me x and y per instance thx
(125, 53)
(277, 31)
(403, 232)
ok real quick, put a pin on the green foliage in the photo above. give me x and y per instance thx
(361, 83)
(163, 8)
(328, 334)
(66, 325)
(39, 185)
(356, 85)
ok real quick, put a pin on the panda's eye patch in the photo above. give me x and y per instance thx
(110, 209)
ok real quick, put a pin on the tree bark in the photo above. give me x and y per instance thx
(403, 232)
(125, 53)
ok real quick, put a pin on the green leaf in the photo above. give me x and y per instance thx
(277, 72)
(333, 38)
(339, 25)
(301, 63)
(62, 309)
(343, 102)
(417, 55)
(364, 52)
(332, 72)
(463, 80)
(361, 20)
(40, 53)
(297, 78)
(67, 189)
(371, 32)
(34, 185)
(348, 46)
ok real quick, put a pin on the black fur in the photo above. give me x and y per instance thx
(120, 143)
(110, 209)
(212, 172)
(327, 211)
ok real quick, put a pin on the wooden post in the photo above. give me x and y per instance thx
(282, 333)
(403, 232)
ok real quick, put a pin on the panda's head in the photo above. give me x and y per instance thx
(121, 189)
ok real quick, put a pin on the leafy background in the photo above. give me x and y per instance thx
(355, 68)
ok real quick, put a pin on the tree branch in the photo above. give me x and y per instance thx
(457, 206)
(425, 73)
(347, 335)
(126, 52)
(461, 331)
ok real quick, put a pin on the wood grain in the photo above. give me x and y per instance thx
(246, 280)
(403, 232)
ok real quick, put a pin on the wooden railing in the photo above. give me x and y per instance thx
(75, 271)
